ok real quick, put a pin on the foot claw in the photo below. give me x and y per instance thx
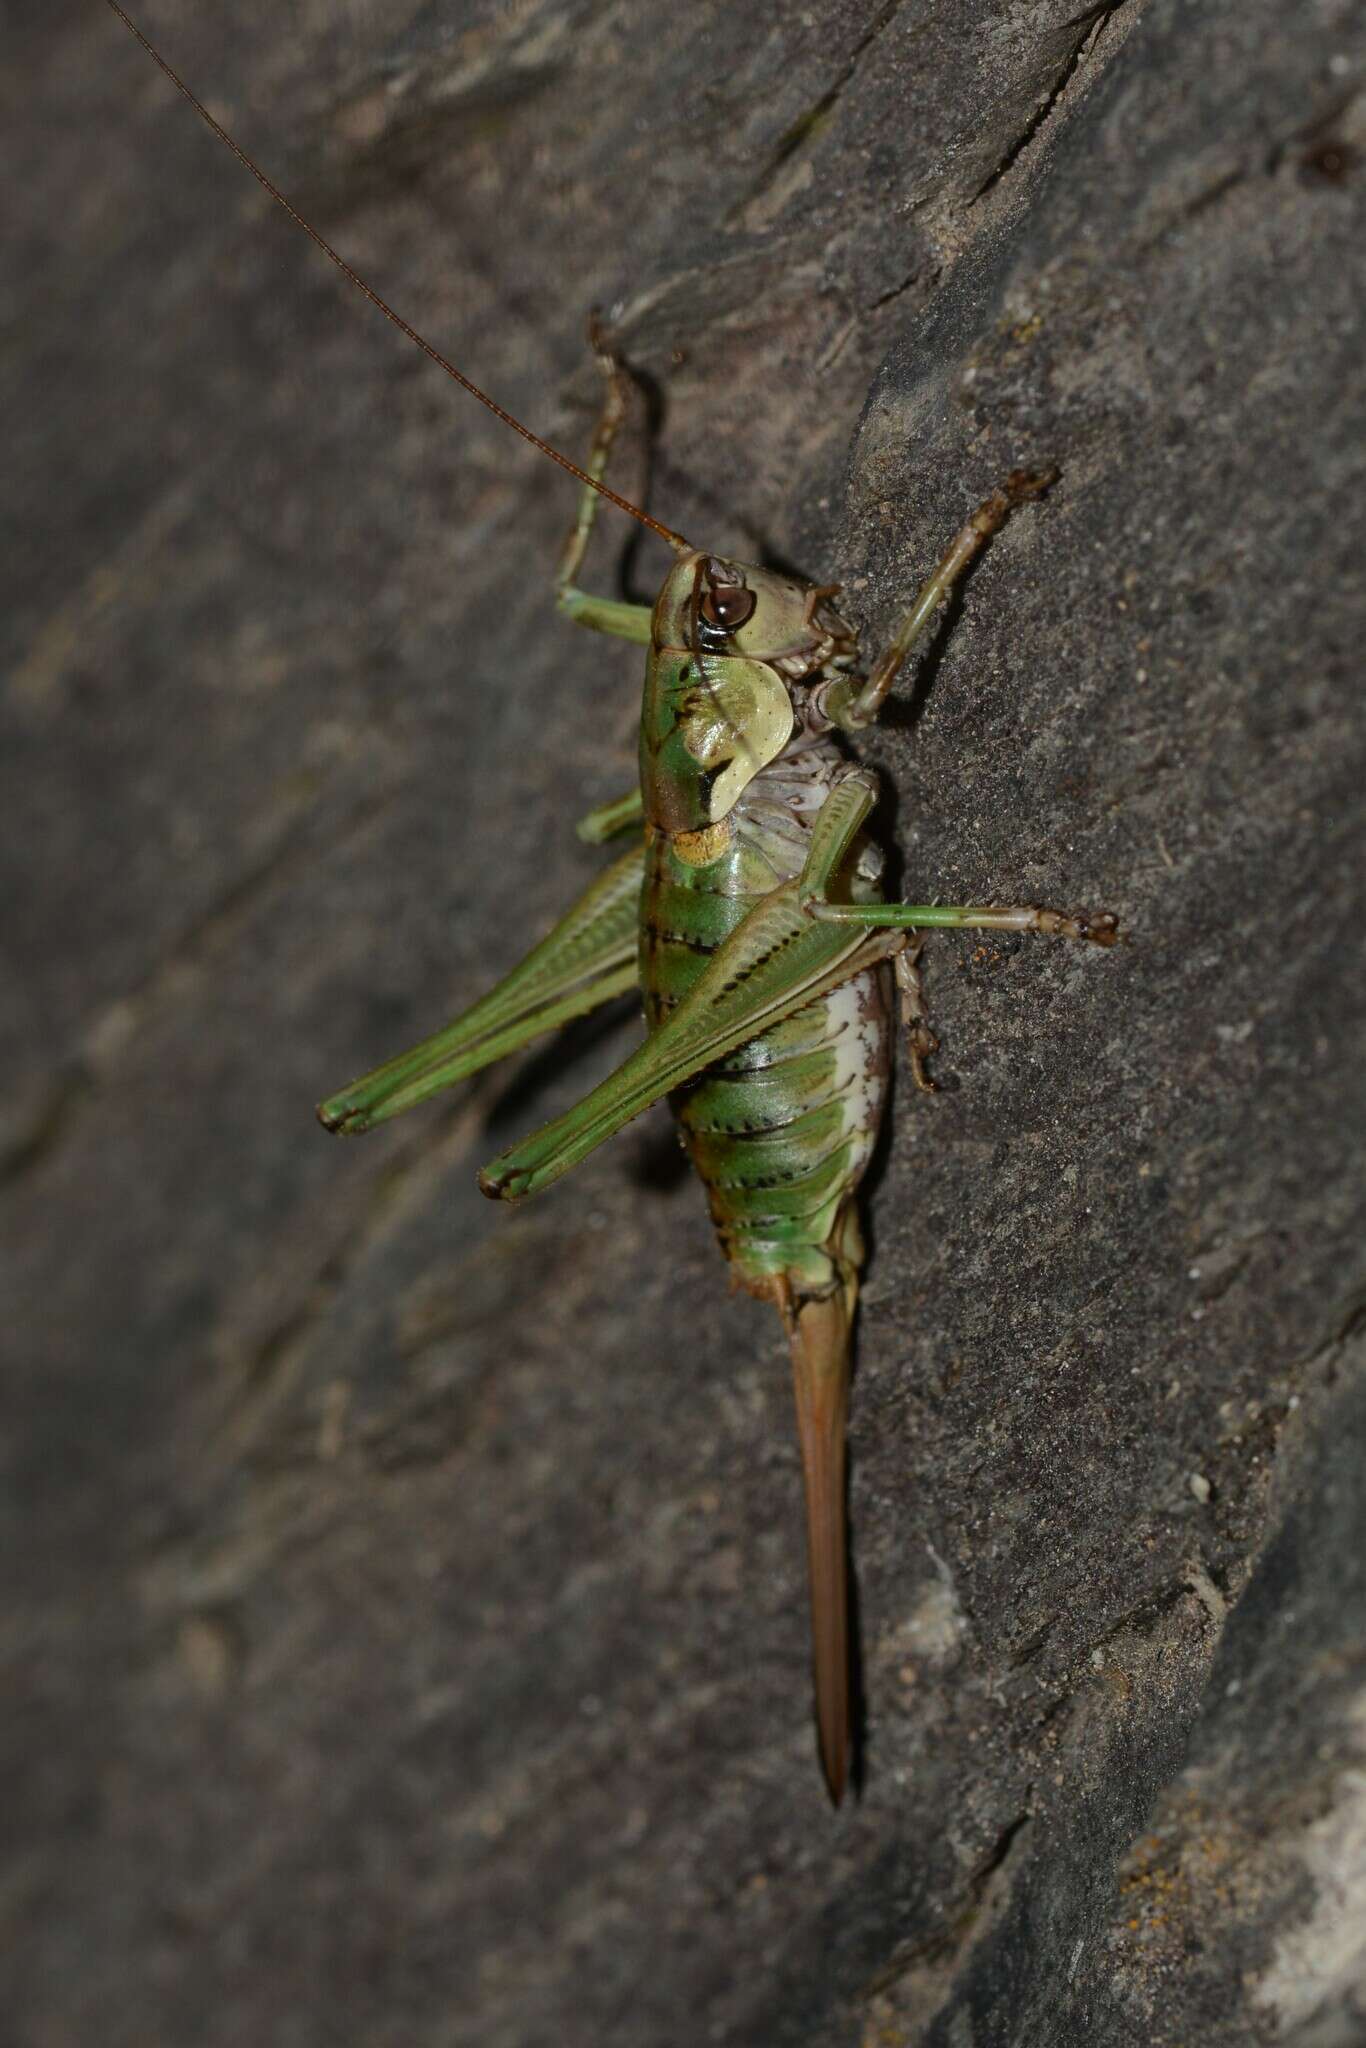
(1023, 484)
(1101, 930)
(921, 1044)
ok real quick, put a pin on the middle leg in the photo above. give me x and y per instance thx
(1100, 927)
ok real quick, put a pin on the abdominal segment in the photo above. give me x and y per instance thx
(782, 1128)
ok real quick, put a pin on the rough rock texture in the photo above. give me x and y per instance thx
(404, 1630)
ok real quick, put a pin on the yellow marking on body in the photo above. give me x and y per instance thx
(700, 849)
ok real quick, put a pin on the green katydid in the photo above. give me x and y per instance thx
(748, 913)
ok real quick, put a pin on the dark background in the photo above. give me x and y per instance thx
(405, 1635)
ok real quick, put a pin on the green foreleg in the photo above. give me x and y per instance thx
(855, 703)
(587, 959)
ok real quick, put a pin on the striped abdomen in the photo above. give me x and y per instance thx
(782, 1128)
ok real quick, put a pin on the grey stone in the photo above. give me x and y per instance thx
(404, 1635)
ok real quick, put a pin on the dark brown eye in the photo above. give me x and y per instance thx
(727, 606)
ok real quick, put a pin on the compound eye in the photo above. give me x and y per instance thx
(728, 606)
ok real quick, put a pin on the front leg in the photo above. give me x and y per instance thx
(853, 703)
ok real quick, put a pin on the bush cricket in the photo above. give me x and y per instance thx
(747, 911)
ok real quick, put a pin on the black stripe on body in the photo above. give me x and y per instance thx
(656, 935)
(781, 1127)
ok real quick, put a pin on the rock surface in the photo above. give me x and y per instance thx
(404, 1638)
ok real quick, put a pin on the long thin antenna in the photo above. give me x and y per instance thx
(675, 540)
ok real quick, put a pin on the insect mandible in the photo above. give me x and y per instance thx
(749, 915)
